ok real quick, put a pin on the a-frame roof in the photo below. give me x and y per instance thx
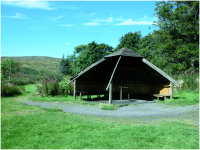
(132, 68)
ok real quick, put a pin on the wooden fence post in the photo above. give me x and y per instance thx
(80, 95)
(171, 90)
(74, 89)
(110, 93)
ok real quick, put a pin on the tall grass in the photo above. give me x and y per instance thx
(8, 89)
(51, 87)
(187, 81)
(48, 87)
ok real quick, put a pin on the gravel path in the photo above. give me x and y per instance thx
(143, 110)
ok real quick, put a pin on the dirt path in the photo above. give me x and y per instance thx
(147, 111)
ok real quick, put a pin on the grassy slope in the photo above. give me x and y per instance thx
(32, 127)
(36, 62)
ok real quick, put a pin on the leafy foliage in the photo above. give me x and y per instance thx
(178, 36)
(65, 89)
(129, 40)
(45, 74)
(9, 66)
(49, 87)
(22, 82)
(85, 55)
(65, 66)
(26, 70)
(187, 81)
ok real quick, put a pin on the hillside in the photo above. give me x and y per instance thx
(36, 62)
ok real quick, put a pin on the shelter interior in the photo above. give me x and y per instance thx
(129, 74)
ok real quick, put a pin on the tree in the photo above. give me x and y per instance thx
(129, 40)
(9, 67)
(65, 66)
(178, 34)
(147, 47)
(88, 54)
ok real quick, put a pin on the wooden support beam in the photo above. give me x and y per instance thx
(80, 95)
(171, 90)
(113, 73)
(74, 89)
(110, 93)
(120, 92)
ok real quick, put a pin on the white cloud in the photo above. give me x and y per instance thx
(91, 24)
(131, 22)
(30, 4)
(99, 21)
(142, 21)
(18, 16)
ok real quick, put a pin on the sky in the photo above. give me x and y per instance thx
(54, 28)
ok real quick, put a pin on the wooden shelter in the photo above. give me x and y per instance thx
(123, 70)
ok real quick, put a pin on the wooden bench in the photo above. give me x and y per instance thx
(161, 95)
(90, 93)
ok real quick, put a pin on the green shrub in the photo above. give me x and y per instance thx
(22, 82)
(8, 89)
(44, 74)
(49, 87)
(65, 89)
(187, 81)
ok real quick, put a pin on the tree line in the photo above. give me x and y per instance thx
(173, 46)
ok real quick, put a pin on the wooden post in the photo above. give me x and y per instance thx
(171, 90)
(110, 93)
(128, 95)
(80, 95)
(74, 89)
(120, 92)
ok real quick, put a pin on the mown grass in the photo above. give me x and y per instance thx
(57, 130)
(182, 98)
(33, 127)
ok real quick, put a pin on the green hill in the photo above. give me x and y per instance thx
(36, 62)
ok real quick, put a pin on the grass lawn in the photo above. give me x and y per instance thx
(32, 127)
(182, 98)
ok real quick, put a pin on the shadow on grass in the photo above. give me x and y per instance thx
(179, 97)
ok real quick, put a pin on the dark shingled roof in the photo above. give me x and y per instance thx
(129, 70)
(124, 52)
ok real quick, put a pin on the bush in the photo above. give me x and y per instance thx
(8, 89)
(22, 82)
(49, 87)
(44, 74)
(65, 89)
(187, 81)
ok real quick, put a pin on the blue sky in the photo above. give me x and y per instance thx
(53, 28)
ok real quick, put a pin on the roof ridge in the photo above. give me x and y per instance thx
(124, 52)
